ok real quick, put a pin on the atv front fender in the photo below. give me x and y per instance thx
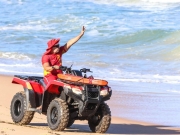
(53, 86)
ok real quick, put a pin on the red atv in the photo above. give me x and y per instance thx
(73, 96)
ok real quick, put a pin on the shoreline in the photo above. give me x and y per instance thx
(119, 125)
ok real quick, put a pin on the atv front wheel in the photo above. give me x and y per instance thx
(71, 121)
(18, 109)
(58, 114)
(100, 122)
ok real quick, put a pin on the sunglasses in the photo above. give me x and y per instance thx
(57, 46)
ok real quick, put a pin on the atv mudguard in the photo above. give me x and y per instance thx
(29, 91)
(53, 86)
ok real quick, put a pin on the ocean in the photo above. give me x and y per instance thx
(133, 44)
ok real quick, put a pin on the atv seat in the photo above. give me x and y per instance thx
(33, 78)
(41, 81)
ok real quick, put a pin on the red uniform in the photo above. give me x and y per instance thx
(53, 59)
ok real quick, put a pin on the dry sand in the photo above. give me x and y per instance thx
(38, 126)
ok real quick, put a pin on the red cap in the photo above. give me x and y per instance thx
(51, 43)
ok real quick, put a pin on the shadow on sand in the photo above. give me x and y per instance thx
(139, 129)
(119, 129)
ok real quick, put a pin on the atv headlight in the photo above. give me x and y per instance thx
(104, 91)
(77, 91)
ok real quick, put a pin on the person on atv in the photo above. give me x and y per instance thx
(52, 58)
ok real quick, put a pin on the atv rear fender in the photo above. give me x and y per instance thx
(29, 84)
(32, 90)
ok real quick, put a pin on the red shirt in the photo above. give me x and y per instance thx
(54, 59)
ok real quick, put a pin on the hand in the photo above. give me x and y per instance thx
(83, 30)
(56, 67)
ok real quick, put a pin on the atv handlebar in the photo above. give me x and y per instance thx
(85, 70)
(65, 68)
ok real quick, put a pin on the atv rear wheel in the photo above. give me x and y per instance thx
(58, 114)
(18, 109)
(100, 122)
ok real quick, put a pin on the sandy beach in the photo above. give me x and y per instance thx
(39, 124)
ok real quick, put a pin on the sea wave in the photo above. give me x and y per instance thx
(114, 76)
(23, 68)
(148, 44)
(142, 36)
(146, 5)
(173, 91)
(16, 72)
(120, 2)
(145, 36)
(16, 56)
(23, 27)
(148, 78)
(66, 23)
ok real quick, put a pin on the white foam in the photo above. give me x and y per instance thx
(21, 68)
(14, 55)
(162, 1)
(12, 1)
(174, 91)
(23, 65)
(133, 1)
(152, 5)
(20, 72)
(6, 1)
(23, 27)
(150, 80)
(123, 76)
(93, 33)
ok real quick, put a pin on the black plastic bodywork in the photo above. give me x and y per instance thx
(89, 100)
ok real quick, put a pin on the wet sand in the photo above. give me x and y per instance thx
(38, 125)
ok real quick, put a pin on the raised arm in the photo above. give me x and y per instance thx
(75, 39)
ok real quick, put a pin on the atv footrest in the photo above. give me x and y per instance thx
(35, 110)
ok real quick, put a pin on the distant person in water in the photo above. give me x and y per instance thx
(52, 58)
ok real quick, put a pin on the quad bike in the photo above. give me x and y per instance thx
(73, 96)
